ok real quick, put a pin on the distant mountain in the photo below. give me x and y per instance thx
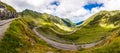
(103, 26)
(68, 22)
(47, 18)
(79, 23)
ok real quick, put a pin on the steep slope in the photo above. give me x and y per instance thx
(86, 34)
(46, 17)
(108, 19)
(91, 31)
(48, 20)
(19, 38)
(68, 22)
(111, 45)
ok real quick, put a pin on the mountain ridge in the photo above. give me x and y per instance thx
(19, 37)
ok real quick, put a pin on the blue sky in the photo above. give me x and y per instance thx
(57, 3)
(75, 10)
(90, 6)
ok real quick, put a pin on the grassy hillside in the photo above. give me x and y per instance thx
(68, 22)
(82, 36)
(47, 20)
(111, 45)
(96, 28)
(92, 30)
(107, 19)
(19, 38)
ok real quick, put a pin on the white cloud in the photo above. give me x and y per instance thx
(35, 2)
(72, 9)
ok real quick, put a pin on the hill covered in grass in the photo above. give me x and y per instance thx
(47, 20)
(19, 37)
(106, 19)
(109, 19)
(98, 27)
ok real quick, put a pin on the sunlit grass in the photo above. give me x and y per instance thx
(20, 39)
(82, 36)
(108, 26)
(63, 27)
(112, 47)
(88, 34)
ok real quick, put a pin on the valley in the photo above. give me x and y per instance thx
(30, 31)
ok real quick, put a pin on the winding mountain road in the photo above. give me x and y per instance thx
(4, 24)
(56, 44)
(64, 46)
(65, 33)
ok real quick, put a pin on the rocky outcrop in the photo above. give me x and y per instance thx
(5, 13)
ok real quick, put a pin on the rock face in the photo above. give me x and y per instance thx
(5, 13)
